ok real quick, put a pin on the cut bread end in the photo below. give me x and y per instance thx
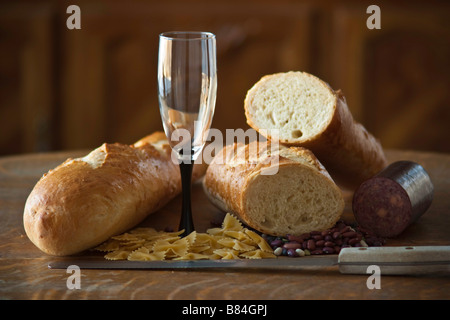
(297, 200)
(300, 105)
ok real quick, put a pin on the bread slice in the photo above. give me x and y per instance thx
(309, 113)
(301, 197)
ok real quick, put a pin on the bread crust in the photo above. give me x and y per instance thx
(84, 201)
(228, 178)
(349, 152)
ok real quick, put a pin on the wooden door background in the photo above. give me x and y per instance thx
(70, 89)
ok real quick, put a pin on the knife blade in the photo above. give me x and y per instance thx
(412, 260)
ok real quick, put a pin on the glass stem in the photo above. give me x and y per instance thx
(186, 221)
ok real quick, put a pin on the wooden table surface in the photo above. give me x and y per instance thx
(24, 273)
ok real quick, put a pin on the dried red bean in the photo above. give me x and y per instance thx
(326, 233)
(298, 239)
(349, 234)
(320, 243)
(333, 230)
(305, 236)
(311, 245)
(276, 243)
(344, 230)
(328, 250)
(292, 245)
(328, 241)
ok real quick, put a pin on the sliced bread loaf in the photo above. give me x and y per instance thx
(301, 197)
(309, 113)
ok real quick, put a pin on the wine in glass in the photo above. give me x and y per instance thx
(187, 85)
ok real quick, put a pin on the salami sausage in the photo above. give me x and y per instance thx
(389, 202)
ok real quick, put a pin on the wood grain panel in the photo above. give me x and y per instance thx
(110, 65)
(68, 89)
(26, 77)
(396, 78)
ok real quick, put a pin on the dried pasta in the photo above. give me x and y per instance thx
(231, 241)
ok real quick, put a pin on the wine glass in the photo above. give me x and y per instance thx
(187, 85)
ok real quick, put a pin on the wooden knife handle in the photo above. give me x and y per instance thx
(410, 260)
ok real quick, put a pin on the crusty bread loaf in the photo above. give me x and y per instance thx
(310, 114)
(301, 197)
(84, 201)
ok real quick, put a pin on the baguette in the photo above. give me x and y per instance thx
(301, 197)
(310, 114)
(84, 201)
